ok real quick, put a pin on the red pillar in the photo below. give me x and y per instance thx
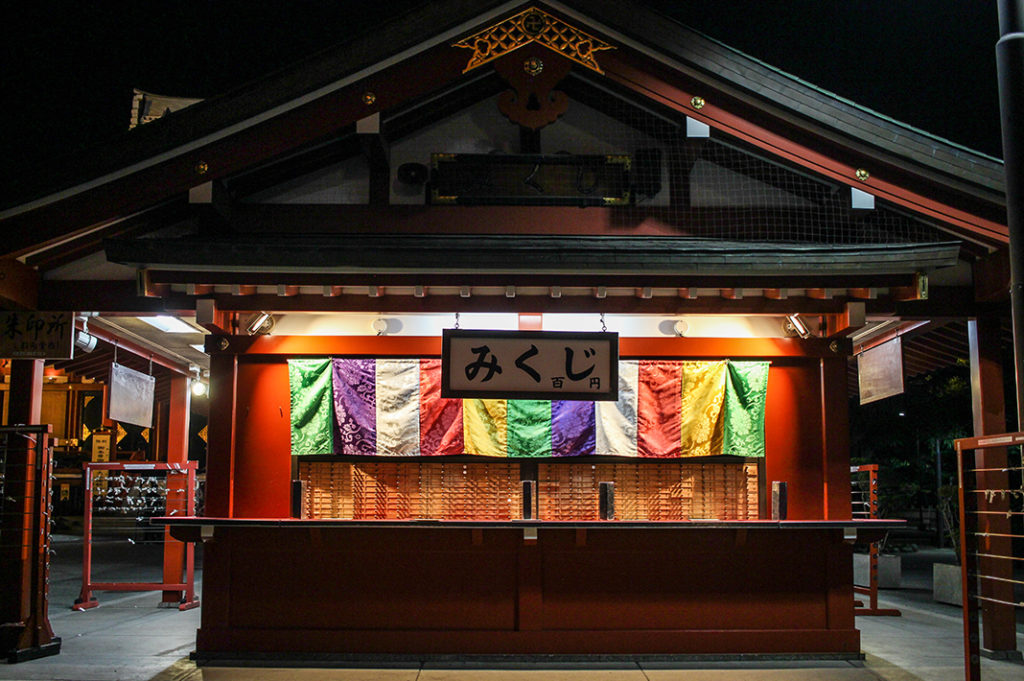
(835, 440)
(220, 458)
(177, 452)
(998, 627)
(25, 630)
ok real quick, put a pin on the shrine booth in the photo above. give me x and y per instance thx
(681, 253)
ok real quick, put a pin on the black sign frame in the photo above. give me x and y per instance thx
(610, 393)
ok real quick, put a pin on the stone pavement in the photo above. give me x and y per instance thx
(129, 639)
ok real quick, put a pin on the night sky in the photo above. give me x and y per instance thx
(69, 68)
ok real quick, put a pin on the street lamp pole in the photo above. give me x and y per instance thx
(1010, 70)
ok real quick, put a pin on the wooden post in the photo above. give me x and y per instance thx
(177, 453)
(835, 440)
(220, 459)
(998, 629)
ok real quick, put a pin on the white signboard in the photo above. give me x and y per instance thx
(37, 335)
(531, 365)
(131, 396)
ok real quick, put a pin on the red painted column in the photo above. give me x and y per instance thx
(17, 551)
(835, 440)
(989, 406)
(220, 459)
(177, 452)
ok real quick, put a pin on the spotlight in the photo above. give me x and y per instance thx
(260, 325)
(795, 326)
(198, 388)
(85, 342)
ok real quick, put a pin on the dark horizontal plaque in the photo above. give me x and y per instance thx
(37, 335)
(530, 365)
(530, 179)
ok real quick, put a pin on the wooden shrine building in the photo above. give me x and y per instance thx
(541, 166)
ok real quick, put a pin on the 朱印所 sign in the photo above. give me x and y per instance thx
(531, 365)
(37, 335)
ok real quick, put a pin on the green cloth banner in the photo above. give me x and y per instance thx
(529, 428)
(745, 392)
(312, 417)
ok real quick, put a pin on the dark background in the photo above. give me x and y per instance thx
(69, 67)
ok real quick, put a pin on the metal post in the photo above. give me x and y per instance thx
(1010, 70)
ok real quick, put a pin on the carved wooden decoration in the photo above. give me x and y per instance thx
(533, 102)
(533, 25)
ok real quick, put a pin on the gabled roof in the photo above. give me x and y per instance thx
(792, 118)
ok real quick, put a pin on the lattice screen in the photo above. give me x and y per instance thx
(492, 491)
(661, 491)
(412, 490)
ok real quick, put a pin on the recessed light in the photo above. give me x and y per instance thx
(169, 324)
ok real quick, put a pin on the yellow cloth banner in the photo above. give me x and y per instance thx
(485, 427)
(703, 393)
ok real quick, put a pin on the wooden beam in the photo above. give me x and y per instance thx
(212, 207)
(253, 277)
(213, 320)
(19, 285)
(847, 322)
(375, 150)
(992, 277)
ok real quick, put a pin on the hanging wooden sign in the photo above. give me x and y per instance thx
(880, 371)
(530, 365)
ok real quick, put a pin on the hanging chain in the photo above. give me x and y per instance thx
(603, 327)
(151, 365)
(115, 351)
(456, 320)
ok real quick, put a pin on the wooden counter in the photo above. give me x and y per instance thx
(432, 588)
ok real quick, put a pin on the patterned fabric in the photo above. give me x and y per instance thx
(393, 407)
(659, 398)
(702, 396)
(529, 427)
(485, 427)
(616, 423)
(309, 382)
(355, 405)
(745, 393)
(440, 419)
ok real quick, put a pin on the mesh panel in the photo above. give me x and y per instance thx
(715, 187)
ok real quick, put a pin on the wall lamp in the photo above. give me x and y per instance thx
(260, 325)
(796, 326)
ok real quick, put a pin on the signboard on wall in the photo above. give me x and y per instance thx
(880, 371)
(37, 335)
(131, 396)
(530, 365)
(101, 446)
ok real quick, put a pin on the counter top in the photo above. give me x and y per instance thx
(696, 524)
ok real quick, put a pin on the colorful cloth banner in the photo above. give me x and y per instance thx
(309, 382)
(393, 407)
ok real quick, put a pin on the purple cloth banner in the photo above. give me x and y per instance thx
(355, 406)
(572, 428)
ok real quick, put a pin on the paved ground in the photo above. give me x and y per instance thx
(129, 639)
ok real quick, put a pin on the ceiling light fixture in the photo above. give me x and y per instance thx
(796, 326)
(169, 324)
(261, 324)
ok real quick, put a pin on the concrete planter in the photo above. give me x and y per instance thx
(946, 584)
(890, 570)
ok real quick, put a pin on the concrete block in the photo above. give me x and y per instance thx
(946, 584)
(890, 570)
